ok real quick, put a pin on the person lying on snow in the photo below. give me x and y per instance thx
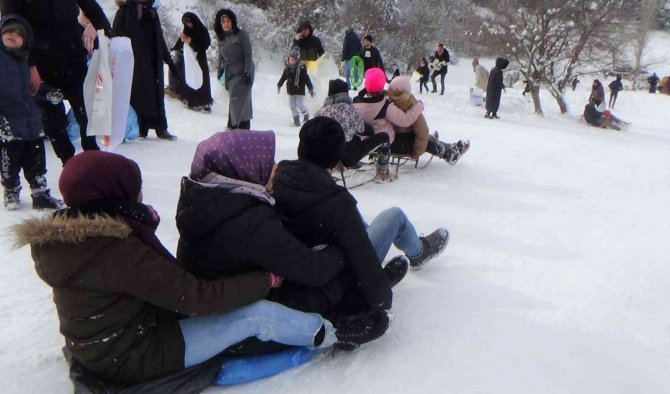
(605, 120)
(129, 313)
(318, 211)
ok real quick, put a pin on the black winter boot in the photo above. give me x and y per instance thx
(12, 201)
(44, 200)
(433, 245)
(353, 331)
(296, 121)
(382, 164)
(396, 269)
(305, 117)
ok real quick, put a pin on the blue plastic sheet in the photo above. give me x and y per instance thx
(247, 369)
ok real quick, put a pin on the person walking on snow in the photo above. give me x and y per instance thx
(653, 82)
(615, 88)
(296, 77)
(351, 47)
(494, 88)
(424, 75)
(196, 35)
(370, 54)
(440, 67)
(21, 142)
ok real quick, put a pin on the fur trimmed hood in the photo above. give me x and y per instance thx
(61, 229)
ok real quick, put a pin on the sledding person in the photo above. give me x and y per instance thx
(296, 77)
(615, 87)
(360, 138)
(415, 140)
(597, 93)
(236, 65)
(139, 21)
(424, 75)
(58, 58)
(653, 82)
(605, 119)
(494, 88)
(481, 75)
(195, 35)
(370, 55)
(21, 142)
(350, 48)
(307, 198)
(378, 111)
(129, 312)
(440, 67)
(310, 45)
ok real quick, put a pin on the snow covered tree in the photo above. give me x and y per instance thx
(549, 40)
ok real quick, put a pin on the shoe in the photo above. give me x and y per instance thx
(433, 244)
(396, 269)
(463, 146)
(165, 135)
(495, 116)
(44, 200)
(382, 164)
(454, 151)
(305, 118)
(12, 200)
(296, 121)
(487, 116)
(353, 331)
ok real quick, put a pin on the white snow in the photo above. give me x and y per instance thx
(555, 279)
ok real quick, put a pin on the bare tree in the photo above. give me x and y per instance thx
(648, 14)
(549, 39)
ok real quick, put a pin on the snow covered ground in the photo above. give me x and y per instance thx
(555, 279)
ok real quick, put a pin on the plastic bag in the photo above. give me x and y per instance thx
(72, 126)
(247, 369)
(98, 91)
(192, 71)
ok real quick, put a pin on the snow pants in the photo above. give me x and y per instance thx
(28, 156)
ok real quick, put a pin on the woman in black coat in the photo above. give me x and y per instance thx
(196, 35)
(494, 88)
(139, 21)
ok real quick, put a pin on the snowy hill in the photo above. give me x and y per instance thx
(555, 279)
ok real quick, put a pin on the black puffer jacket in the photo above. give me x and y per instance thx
(293, 88)
(352, 45)
(318, 211)
(55, 26)
(310, 47)
(223, 234)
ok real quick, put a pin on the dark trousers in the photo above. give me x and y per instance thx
(442, 73)
(423, 83)
(246, 125)
(28, 156)
(613, 97)
(356, 149)
(70, 80)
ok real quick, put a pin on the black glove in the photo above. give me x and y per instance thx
(247, 79)
(5, 130)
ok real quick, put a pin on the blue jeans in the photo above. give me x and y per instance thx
(347, 72)
(207, 336)
(392, 226)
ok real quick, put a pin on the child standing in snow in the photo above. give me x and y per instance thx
(296, 78)
(21, 142)
(424, 72)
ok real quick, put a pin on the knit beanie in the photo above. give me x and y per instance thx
(321, 142)
(375, 79)
(337, 86)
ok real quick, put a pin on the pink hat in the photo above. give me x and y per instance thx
(400, 85)
(375, 79)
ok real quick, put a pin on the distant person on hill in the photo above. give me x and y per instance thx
(440, 68)
(575, 82)
(196, 35)
(370, 54)
(653, 83)
(351, 47)
(310, 45)
(481, 74)
(424, 73)
(597, 93)
(494, 88)
(615, 88)
(296, 78)
(605, 119)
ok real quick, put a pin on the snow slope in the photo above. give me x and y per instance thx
(555, 279)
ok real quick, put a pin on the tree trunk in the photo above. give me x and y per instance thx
(535, 94)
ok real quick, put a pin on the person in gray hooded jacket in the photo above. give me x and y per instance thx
(236, 66)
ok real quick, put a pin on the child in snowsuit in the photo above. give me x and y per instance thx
(21, 138)
(424, 72)
(401, 95)
(296, 78)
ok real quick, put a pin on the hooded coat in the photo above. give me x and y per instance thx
(200, 42)
(597, 93)
(296, 78)
(318, 211)
(379, 112)
(235, 63)
(143, 27)
(310, 47)
(352, 45)
(400, 94)
(495, 85)
(17, 105)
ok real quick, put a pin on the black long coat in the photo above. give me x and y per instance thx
(143, 27)
(200, 42)
(352, 45)
(318, 211)
(495, 85)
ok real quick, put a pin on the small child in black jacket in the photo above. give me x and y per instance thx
(296, 78)
(424, 72)
(21, 138)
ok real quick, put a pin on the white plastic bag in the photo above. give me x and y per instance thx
(98, 91)
(121, 62)
(192, 69)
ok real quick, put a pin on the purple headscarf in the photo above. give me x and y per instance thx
(239, 154)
